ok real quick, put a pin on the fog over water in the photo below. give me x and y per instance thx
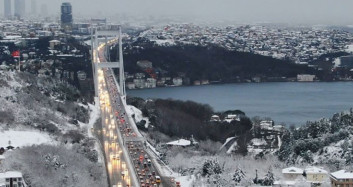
(337, 12)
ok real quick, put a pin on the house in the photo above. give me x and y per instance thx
(315, 175)
(215, 118)
(12, 179)
(231, 117)
(342, 178)
(53, 43)
(177, 81)
(139, 83)
(292, 173)
(151, 83)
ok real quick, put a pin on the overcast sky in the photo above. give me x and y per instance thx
(242, 11)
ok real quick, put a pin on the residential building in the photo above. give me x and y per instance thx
(342, 178)
(292, 173)
(11, 179)
(53, 43)
(315, 175)
(139, 83)
(151, 83)
(177, 81)
(231, 117)
(215, 118)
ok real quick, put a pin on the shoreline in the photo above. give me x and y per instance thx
(224, 83)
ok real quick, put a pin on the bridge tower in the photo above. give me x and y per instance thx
(95, 36)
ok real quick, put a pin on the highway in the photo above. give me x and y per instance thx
(128, 159)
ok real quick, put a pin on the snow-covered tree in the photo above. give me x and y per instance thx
(238, 175)
(211, 167)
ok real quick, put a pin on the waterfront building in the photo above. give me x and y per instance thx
(305, 78)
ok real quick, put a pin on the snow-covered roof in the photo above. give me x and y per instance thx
(292, 170)
(342, 174)
(314, 170)
(289, 183)
(180, 142)
(54, 41)
(11, 174)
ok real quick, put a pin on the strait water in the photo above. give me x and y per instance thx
(287, 102)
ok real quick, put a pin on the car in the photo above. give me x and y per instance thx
(177, 184)
(149, 162)
(158, 179)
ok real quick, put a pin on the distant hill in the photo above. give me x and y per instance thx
(212, 62)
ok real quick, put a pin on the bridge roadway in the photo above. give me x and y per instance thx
(125, 147)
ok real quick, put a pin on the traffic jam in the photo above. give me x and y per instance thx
(145, 170)
(142, 164)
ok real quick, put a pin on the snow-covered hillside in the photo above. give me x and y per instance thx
(44, 117)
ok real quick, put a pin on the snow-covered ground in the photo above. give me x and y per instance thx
(24, 138)
(349, 48)
(138, 114)
(167, 42)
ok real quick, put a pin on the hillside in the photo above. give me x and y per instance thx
(44, 120)
(186, 119)
(211, 63)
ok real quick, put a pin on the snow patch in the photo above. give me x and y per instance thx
(24, 138)
(138, 115)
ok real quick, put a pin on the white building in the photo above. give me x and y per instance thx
(151, 83)
(140, 83)
(305, 78)
(316, 175)
(12, 179)
(215, 118)
(231, 117)
(292, 173)
(177, 81)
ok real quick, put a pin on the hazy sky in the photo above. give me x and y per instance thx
(242, 11)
